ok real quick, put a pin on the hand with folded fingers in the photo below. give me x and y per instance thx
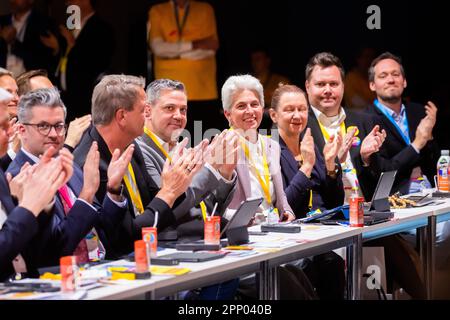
(222, 153)
(41, 185)
(76, 129)
(372, 143)
(176, 177)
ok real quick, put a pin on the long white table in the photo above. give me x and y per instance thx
(441, 213)
(311, 241)
(423, 219)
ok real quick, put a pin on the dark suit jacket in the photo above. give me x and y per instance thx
(61, 236)
(327, 192)
(33, 53)
(17, 231)
(87, 60)
(5, 162)
(131, 226)
(395, 154)
(367, 176)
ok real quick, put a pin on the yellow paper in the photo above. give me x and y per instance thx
(176, 271)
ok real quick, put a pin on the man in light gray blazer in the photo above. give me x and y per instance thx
(165, 119)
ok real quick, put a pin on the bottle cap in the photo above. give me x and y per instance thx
(445, 152)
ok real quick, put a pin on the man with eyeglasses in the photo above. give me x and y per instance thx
(42, 126)
(20, 222)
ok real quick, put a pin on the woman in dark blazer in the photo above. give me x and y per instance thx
(311, 181)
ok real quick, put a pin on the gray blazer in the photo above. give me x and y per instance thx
(204, 187)
(243, 188)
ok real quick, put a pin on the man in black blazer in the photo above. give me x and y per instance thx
(118, 104)
(325, 88)
(25, 43)
(409, 147)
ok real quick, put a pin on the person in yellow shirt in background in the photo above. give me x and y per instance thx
(183, 39)
(357, 92)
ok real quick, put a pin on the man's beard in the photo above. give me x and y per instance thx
(391, 99)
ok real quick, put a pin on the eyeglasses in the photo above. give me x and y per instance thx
(45, 128)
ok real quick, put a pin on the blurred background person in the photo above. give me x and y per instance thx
(357, 92)
(84, 56)
(261, 63)
(183, 39)
(21, 46)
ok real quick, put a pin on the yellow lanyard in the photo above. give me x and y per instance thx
(133, 189)
(310, 204)
(265, 184)
(62, 66)
(325, 132)
(156, 141)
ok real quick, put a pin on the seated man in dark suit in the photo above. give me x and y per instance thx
(409, 147)
(118, 106)
(74, 214)
(34, 189)
(358, 157)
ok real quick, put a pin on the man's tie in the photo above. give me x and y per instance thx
(81, 252)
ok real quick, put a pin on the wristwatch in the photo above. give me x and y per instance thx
(333, 173)
(116, 192)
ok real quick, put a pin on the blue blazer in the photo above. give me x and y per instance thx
(327, 192)
(17, 232)
(62, 233)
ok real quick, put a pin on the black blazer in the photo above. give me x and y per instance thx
(395, 154)
(131, 227)
(87, 60)
(17, 232)
(5, 161)
(327, 192)
(367, 176)
(33, 53)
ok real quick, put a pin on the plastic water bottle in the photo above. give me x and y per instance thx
(443, 171)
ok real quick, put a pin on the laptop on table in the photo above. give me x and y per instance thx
(378, 211)
(235, 230)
